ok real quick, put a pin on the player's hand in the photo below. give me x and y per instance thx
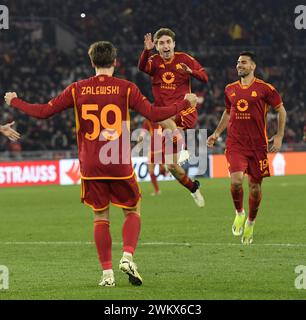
(185, 68)
(9, 96)
(212, 139)
(277, 143)
(148, 43)
(192, 98)
(9, 132)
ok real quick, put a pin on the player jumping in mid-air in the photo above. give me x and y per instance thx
(171, 74)
(155, 152)
(9, 132)
(101, 105)
(247, 102)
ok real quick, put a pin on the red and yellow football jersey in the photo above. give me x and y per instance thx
(248, 107)
(101, 105)
(168, 83)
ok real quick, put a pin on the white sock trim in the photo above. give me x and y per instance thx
(108, 272)
(128, 255)
(240, 213)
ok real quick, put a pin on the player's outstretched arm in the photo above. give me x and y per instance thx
(220, 128)
(9, 132)
(155, 113)
(277, 139)
(41, 111)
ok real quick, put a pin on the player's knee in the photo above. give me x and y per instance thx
(101, 215)
(237, 183)
(172, 168)
(255, 190)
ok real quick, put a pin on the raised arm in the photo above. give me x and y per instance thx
(42, 111)
(144, 63)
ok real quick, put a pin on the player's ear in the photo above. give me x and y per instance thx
(115, 63)
(173, 44)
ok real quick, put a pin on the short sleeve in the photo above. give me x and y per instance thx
(272, 97)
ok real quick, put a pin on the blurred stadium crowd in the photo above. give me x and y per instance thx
(37, 68)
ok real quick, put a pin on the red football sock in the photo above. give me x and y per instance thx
(103, 242)
(130, 232)
(154, 182)
(254, 206)
(237, 195)
(188, 183)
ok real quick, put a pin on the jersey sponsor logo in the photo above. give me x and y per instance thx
(168, 77)
(242, 105)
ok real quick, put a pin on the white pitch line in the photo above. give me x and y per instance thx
(178, 244)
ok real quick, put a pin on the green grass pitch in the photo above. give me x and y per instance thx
(184, 252)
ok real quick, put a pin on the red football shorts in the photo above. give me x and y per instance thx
(253, 163)
(187, 119)
(99, 193)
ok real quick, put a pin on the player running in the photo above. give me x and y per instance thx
(9, 132)
(101, 105)
(171, 74)
(247, 102)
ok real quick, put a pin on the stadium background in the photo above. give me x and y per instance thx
(45, 49)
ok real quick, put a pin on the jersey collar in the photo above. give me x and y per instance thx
(248, 86)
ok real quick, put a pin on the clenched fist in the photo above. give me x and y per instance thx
(9, 96)
(192, 98)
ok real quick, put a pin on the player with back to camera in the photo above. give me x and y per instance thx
(101, 105)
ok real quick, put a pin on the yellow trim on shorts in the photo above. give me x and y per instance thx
(93, 208)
